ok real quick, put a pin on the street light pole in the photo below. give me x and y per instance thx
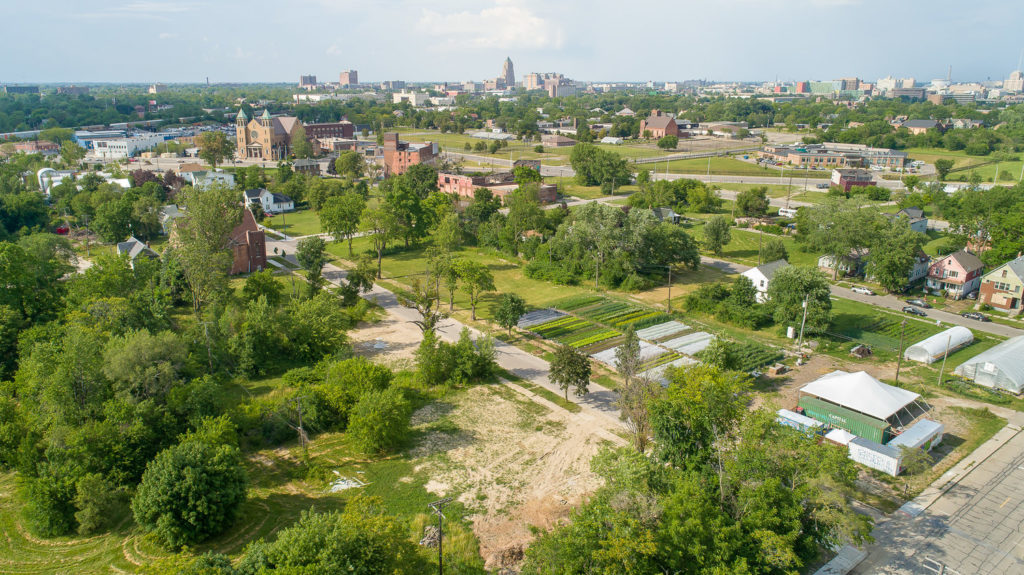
(437, 507)
(803, 322)
(899, 358)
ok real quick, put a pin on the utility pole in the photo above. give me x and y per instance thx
(760, 242)
(944, 356)
(437, 507)
(899, 358)
(669, 288)
(803, 322)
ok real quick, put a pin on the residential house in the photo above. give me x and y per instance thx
(957, 274)
(270, 202)
(963, 123)
(168, 214)
(658, 125)
(851, 264)
(204, 178)
(917, 127)
(307, 166)
(248, 246)
(666, 215)
(625, 112)
(915, 216)
(762, 275)
(135, 248)
(1001, 287)
(922, 262)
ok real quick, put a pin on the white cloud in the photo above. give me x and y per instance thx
(242, 54)
(150, 7)
(506, 24)
(334, 50)
(167, 35)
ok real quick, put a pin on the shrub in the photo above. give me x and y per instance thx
(380, 420)
(190, 492)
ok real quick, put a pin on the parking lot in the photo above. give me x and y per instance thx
(975, 528)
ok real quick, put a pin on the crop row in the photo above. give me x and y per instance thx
(594, 338)
(753, 356)
(659, 361)
(576, 302)
(562, 328)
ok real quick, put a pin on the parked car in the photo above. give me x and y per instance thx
(914, 310)
(862, 290)
(919, 303)
(975, 315)
(822, 186)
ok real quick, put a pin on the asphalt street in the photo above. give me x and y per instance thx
(974, 528)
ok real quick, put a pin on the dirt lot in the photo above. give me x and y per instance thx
(390, 341)
(513, 461)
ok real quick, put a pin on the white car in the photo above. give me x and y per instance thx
(862, 290)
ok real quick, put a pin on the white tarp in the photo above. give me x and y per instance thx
(840, 436)
(648, 351)
(538, 316)
(934, 348)
(860, 392)
(662, 330)
(690, 344)
(1001, 367)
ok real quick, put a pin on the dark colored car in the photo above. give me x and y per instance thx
(913, 310)
(975, 315)
(919, 303)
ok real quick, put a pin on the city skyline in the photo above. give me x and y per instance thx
(734, 40)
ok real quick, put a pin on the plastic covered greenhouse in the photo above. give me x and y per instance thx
(934, 348)
(1001, 367)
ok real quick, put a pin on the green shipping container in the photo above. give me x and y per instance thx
(856, 423)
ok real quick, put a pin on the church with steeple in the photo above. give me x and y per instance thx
(265, 137)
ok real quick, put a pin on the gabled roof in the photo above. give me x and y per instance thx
(253, 194)
(912, 213)
(659, 122)
(280, 198)
(303, 162)
(1015, 265)
(768, 270)
(966, 260)
(134, 248)
(920, 124)
(860, 392)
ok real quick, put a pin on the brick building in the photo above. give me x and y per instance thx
(342, 129)
(398, 155)
(248, 246)
(659, 125)
(348, 78)
(500, 184)
(847, 179)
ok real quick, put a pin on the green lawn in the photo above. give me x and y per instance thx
(569, 187)
(774, 190)
(719, 166)
(743, 246)
(299, 223)
(962, 160)
(938, 243)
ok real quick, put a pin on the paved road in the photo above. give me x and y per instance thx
(974, 528)
(598, 404)
(885, 301)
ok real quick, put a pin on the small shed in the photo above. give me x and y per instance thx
(924, 434)
(840, 437)
(1001, 367)
(884, 458)
(937, 346)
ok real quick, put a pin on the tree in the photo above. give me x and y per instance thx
(426, 302)
(301, 147)
(204, 241)
(382, 226)
(214, 147)
(774, 249)
(570, 368)
(358, 281)
(96, 500)
(476, 279)
(144, 366)
(627, 355)
(311, 254)
(340, 215)
(786, 297)
(753, 202)
(668, 142)
(720, 353)
(598, 167)
(942, 168)
(350, 164)
(263, 283)
(190, 492)
(717, 234)
(380, 420)
(894, 254)
(362, 540)
(71, 153)
(510, 308)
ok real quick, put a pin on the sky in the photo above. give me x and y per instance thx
(453, 40)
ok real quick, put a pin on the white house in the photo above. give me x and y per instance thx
(762, 275)
(203, 178)
(270, 202)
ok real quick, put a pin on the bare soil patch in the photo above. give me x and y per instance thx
(515, 463)
(390, 341)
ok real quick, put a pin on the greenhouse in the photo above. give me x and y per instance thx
(937, 346)
(1001, 367)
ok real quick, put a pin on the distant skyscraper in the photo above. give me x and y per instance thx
(348, 78)
(307, 81)
(1015, 83)
(508, 73)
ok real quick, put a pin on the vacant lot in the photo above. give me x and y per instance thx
(300, 223)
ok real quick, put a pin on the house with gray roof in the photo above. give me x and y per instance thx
(134, 249)
(762, 275)
(1001, 288)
